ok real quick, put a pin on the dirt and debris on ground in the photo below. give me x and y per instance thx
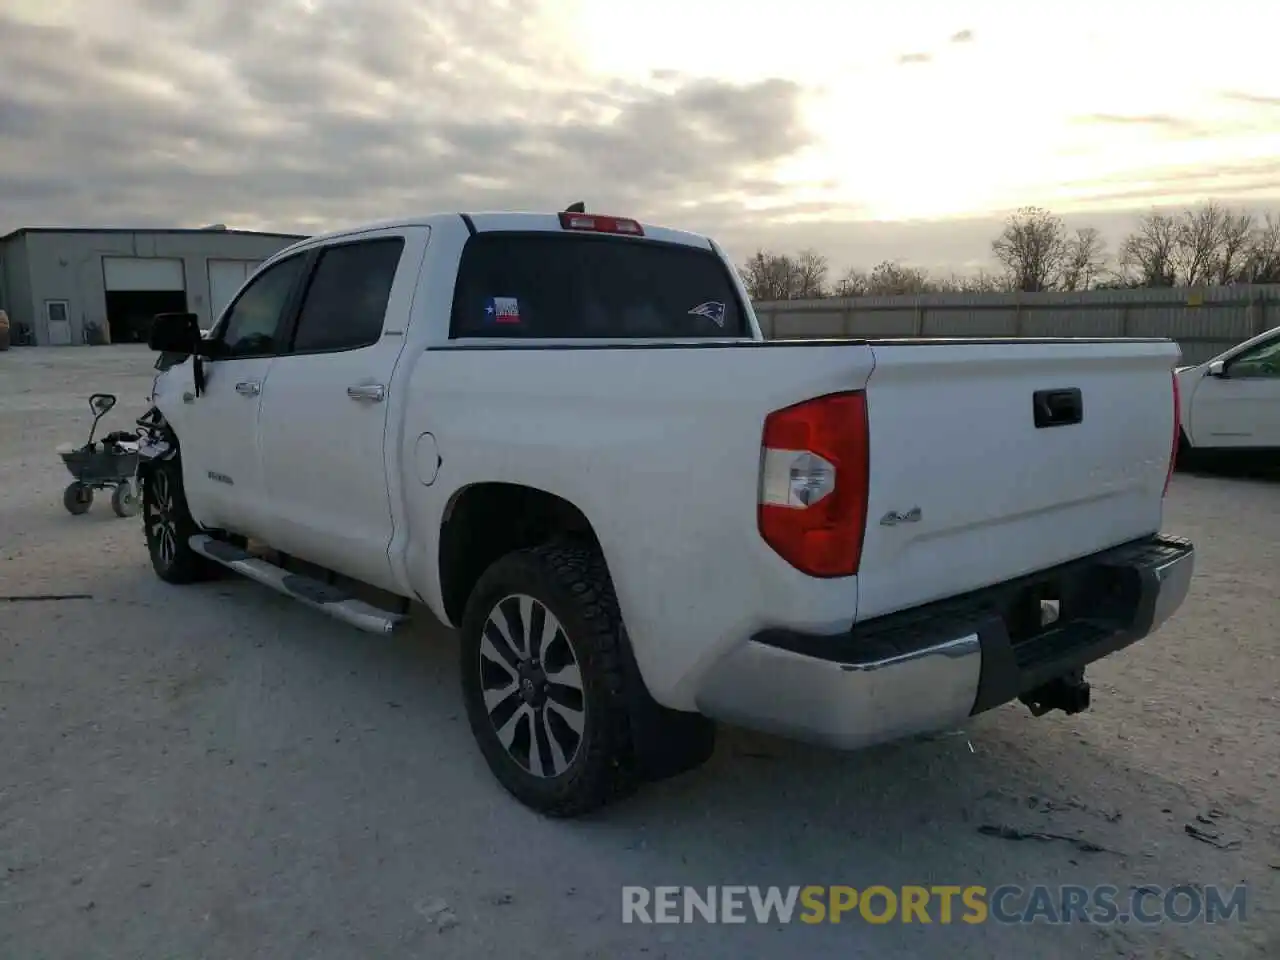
(1013, 833)
(215, 771)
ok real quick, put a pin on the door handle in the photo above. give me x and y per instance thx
(1057, 408)
(248, 388)
(373, 392)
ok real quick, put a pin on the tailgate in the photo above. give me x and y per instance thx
(970, 487)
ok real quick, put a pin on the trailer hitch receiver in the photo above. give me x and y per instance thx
(1068, 693)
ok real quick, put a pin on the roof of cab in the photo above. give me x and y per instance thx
(488, 221)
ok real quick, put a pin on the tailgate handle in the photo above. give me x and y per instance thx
(1057, 408)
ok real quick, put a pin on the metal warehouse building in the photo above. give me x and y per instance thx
(83, 285)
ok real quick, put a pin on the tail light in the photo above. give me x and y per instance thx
(592, 223)
(813, 484)
(1177, 434)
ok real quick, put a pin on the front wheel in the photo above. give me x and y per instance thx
(169, 527)
(124, 500)
(543, 680)
(1186, 457)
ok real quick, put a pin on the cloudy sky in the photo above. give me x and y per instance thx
(868, 130)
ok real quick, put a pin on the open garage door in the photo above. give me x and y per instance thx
(137, 289)
(226, 277)
(136, 274)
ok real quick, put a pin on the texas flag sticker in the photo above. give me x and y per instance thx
(502, 310)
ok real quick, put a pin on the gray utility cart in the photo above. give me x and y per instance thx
(109, 462)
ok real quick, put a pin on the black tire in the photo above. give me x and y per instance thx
(124, 500)
(77, 498)
(1186, 455)
(168, 526)
(572, 585)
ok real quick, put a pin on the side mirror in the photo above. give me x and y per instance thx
(175, 333)
(1218, 368)
(100, 403)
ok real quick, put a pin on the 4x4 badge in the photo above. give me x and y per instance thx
(893, 518)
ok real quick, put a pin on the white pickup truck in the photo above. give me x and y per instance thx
(565, 436)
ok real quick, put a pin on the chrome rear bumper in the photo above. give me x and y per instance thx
(929, 669)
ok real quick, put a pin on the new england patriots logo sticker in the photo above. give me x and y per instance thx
(713, 310)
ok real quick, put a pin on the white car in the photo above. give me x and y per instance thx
(1231, 404)
(565, 435)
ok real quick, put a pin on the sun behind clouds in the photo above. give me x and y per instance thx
(931, 109)
(757, 122)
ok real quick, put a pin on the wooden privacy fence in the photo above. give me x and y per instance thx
(1203, 320)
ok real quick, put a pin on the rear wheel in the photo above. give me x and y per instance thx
(77, 498)
(168, 526)
(543, 680)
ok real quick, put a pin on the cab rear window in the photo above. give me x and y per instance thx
(544, 285)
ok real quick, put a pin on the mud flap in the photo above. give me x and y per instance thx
(667, 742)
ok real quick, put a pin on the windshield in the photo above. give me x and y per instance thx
(545, 285)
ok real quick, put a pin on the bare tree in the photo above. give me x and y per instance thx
(1084, 260)
(1262, 260)
(1210, 244)
(981, 282)
(776, 276)
(1234, 249)
(854, 283)
(1197, 249)
(1207, 244)
(1031, 248)
(810, 278)
(890, 279)
(1147, 255)
(768, 276)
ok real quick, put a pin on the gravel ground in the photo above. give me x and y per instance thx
(214, 771)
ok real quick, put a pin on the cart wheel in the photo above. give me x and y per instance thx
(77, 498)
(124, 500)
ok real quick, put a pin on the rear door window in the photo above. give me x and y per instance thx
(346, 301)
(544, 285)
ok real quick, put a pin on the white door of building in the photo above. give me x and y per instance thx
(128, 274)
(226, 277)
(58, 322)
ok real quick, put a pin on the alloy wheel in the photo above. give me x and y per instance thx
(161, 526)
(532, 686)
